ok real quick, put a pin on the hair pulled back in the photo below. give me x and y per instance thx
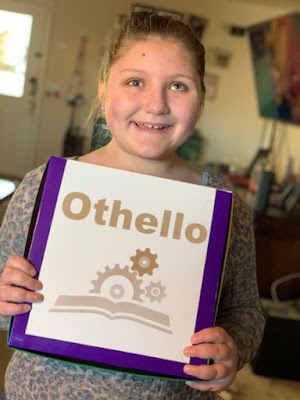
(141, 25)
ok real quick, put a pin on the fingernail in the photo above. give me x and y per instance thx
(187, 353)
(32, 272)
(189, 383)
(38, 285)
(186, 369)
(26, 308)
(193, 339)
(37, 297)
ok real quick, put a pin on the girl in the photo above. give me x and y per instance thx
(151, 92)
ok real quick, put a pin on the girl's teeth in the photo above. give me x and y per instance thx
(151, 126)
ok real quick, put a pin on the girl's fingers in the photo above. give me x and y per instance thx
(17, 286)
(14, 276)
(210, 335)
(207, 372)
(22, 264)
(212, 343)
(217, 352)
(18, 295)
(205, 386)
(12, 309)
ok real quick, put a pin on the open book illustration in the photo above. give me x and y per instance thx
(120, 292)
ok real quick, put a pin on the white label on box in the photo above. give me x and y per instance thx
(124, 262)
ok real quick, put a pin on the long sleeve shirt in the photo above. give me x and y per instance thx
(36, 377)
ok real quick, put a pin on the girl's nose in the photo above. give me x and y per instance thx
(156, 101)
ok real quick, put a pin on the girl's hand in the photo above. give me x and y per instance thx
(18, 286)
(214, 343)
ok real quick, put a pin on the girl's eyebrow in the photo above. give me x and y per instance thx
(132, 70)
(174, 76)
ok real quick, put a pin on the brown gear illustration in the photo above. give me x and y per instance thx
(117, 271)
(144, 262)
(155, 291)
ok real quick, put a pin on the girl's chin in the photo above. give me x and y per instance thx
(153, 154)
(145, 149)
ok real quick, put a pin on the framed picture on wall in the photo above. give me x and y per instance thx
(141, 8)
(167, 13)
(211, 84)
(218, 57)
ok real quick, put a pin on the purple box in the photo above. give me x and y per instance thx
(123, 252)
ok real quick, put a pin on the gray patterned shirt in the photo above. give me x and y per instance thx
(31, 377)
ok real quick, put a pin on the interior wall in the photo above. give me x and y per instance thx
(230, 123)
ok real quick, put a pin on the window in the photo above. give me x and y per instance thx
(15, 31)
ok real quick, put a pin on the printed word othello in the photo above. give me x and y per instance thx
(116, 216)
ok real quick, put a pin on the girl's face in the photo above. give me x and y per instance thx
(152, 98)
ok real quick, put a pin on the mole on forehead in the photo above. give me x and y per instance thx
(143, 54)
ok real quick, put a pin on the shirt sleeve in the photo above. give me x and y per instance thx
(16, 221)
(240, 312)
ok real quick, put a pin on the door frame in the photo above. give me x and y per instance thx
(48, 6)
(49, 10)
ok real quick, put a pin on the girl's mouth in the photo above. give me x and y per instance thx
(151, 126)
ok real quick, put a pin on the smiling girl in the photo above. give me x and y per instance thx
(151, 92)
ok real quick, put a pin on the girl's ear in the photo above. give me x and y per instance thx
(101, 90)
(101, 97)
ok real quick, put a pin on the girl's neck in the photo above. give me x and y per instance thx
(112, 156)
(170, 167)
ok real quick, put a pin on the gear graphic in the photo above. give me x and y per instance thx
(155, 291)
(144, 262)
(117, 291)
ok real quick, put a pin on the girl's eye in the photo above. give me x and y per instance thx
(178, 87)
(135, 82)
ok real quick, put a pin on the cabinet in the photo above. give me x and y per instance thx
(278, 254)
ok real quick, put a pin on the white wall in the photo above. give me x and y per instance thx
(230, 124)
